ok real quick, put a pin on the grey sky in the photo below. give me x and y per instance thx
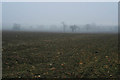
(33, 13)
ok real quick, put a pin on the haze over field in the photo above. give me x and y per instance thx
(54, 16)
(60, 40)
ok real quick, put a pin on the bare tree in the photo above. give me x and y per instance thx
(64, 26)
(73, 28)
(16, 27)
(87, 26)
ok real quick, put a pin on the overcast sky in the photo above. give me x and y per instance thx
(47, 13)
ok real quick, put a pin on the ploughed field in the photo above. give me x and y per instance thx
(59, 55)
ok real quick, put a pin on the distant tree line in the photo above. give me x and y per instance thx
(67, 28)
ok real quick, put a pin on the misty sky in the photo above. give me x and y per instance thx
(33, 13)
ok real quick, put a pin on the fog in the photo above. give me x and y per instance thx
(80, 17)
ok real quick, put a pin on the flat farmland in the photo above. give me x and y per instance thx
(59, 55)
